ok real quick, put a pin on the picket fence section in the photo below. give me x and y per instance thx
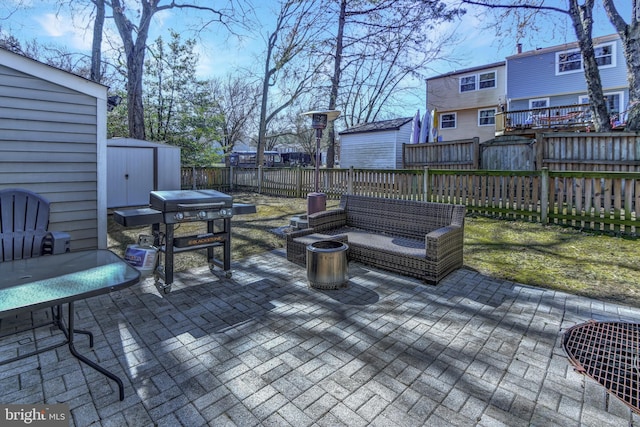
(600, 201)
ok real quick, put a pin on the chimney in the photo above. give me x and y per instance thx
(519, 48)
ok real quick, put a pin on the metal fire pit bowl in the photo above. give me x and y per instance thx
(327, 265)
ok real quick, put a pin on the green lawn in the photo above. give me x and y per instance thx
(564, 259)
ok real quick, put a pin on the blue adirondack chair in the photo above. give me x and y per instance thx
(24, 222)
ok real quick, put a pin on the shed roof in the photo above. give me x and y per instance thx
(52, 74)
(393, 124)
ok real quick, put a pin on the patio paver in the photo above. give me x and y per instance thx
(262, 348)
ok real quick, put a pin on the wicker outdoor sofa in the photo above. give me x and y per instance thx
(417, 239)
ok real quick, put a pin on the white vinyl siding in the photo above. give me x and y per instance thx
(375, 150)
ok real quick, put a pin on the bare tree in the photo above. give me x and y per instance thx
(237, 101)
(582, 18)
(384, 42)
(630, 36)
(298, 25)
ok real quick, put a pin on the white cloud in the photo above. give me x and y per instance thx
(63, 30)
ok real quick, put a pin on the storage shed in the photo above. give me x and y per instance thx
(53, 127)
(136, 167)
(376, 145)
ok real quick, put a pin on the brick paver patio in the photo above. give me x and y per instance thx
(262, 348)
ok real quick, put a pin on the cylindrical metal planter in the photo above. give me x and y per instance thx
(327, 265)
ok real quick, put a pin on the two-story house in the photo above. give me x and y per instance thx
(466, 101)
(554, 76)
(531, 83)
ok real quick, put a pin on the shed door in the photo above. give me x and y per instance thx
(130, 172)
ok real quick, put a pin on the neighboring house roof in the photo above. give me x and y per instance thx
(469, 70)
(393, 124)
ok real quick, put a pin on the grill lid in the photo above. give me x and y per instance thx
(181, 200)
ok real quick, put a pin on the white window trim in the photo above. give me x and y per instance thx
(584, 99)
(455, 115)
(581, 69)
(613, 55)
(531, 101)
(495, 110)
(477, 81)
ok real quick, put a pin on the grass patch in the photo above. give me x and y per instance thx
(564, 259)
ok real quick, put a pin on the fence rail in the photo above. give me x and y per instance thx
(600, 201)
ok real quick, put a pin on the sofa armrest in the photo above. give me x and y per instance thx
(299, 233)
(444, 241)
(327, 220)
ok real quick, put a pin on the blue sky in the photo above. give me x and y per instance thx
(41, 20)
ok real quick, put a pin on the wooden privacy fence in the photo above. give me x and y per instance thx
(588, 151)
(613, 151)
(461, 154)
(600, 201)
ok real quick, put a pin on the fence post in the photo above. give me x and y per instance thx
(475, 153)
(298, 181)
(350, 181)
(425, 184)
(544, 195)
(193, 178)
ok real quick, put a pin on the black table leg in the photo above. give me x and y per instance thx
(91, 363)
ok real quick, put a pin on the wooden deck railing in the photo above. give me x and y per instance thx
(601, 201)
(563, 117)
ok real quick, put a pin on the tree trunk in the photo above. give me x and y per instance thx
(630, 36)
(96, 46)
(582, 17)
(335, 84)
(135, 64)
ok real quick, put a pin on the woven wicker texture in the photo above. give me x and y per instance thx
(417, 239)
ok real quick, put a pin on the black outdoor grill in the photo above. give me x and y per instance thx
(182, 206)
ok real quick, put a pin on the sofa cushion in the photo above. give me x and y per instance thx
(386, 242)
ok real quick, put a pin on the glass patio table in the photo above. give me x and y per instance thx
(53, 280)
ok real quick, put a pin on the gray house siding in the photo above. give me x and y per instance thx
(532, 75)
(49, 143)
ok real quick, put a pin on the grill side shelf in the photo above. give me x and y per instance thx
(138, 217)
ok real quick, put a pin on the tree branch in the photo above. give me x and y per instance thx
(513, 6)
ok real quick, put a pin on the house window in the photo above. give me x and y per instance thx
(613, 100)
(538, 103)
(487, 80)
(448, 121)
(467, 83)
(571, 61)
(478, 82)
(487, 117)
(605, 55)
